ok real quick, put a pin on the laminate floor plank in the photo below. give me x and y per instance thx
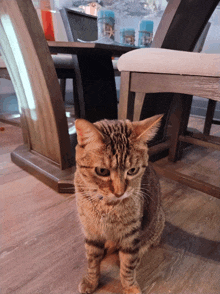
(10, 135)
(42, 245)
(198, 162)
(189, 250)
(42, 241)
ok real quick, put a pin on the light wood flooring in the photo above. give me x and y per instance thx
(42, 247)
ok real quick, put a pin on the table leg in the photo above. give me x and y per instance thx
(99, 88)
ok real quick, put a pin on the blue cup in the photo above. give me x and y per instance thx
(145, 33)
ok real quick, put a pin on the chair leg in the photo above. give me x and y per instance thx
(179, 121)
(126, 100)
(63, 87)
(209, 116)
(138, 104)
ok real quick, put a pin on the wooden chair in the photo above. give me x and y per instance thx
(156, 70)
(79, 26)
(63, 65)
(47, 151)
(65, 69)
(181, 27)
(209, 119)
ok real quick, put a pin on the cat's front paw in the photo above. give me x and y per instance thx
(135, 289)
(86, 286)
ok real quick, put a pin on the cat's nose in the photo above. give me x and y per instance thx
(120, 189)
(118, 195)
(118, 184)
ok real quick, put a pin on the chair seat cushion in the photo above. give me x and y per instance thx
(157, 60)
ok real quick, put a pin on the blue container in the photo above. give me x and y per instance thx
(145, 33)
(106, 24)
(127, 36)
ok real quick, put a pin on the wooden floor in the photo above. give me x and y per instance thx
(42, 244)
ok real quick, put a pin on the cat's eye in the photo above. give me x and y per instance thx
(102, 172)
(133, 171)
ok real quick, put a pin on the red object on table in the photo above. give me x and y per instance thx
(48, 25)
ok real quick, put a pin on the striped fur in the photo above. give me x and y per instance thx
(118, 195)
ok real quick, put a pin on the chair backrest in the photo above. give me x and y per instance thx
(180, 28)
(202, 38)
(165, 23)
(183, 23)
(29, 63)
(79, 25)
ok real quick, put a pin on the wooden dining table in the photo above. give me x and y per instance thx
(97, 76)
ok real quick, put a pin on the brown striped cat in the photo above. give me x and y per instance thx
(118, 195)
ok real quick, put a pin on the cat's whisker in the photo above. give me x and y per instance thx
(147, 192)
(143, 194)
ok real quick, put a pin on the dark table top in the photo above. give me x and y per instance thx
(88, 48)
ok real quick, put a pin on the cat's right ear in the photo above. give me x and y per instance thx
(87, 132)
(146, 129)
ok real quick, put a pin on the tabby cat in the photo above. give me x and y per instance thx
(118, 195)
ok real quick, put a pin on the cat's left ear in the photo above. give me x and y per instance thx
(146, 129)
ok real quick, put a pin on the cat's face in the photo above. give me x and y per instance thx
(112, 156)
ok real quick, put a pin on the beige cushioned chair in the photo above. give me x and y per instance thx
(153, 70)
(157, 60)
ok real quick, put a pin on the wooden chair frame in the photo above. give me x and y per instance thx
(139, 88)
(172, 34)
(46, 151)
(141, 83)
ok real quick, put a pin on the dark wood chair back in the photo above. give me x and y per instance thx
(79, 26)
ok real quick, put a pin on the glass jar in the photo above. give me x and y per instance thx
(145, 33)
(127, 36)
(106, 24)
